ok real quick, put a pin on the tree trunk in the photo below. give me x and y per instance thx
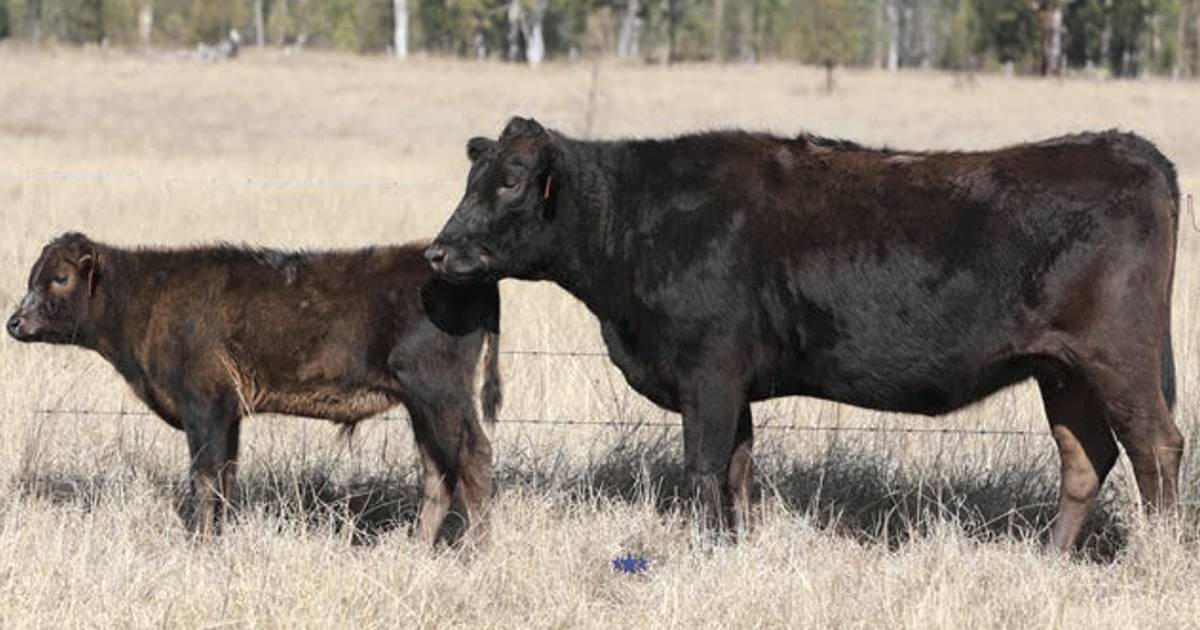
(145, 22)
(514, 30)
(260, 26)
(672, 25)
(627, 41)
(745, 35)
(893, 35)
(1155, 42)
(531, 28)
(1196, 38)
(400, 33)
(718, 26)
(1051, 16)
(660, 31)
(1180, 68)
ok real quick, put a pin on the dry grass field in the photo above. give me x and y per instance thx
(856, 528)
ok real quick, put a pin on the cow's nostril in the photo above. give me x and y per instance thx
(435, 254)
(14, 323)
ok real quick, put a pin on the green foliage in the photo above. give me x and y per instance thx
(1011, 30)
(1126, 36)
(965, 43)
(15, 13)
(118, 21)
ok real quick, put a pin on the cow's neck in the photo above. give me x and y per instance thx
(109, 314)
(590, 266)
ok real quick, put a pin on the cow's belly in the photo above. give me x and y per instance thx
(935, 381)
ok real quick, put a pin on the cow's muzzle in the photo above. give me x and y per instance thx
(18, 327)
(455, 264)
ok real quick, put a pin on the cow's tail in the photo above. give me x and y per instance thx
(1167, 169)
(1168, 372)
(491, 394)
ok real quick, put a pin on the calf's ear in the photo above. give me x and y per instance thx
(478, 146)
(87, 268)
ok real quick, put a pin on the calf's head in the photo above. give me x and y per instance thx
(58, 302)
(504, 225)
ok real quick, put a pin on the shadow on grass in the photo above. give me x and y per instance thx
(865, 497)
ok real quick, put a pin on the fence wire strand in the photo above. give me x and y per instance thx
(283, 183)
(553, 423)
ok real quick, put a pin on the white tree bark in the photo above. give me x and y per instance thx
(514, 30)
(260, 28)
(1196, 38)
(145, 22)
(531, 28)
(718, 25)
(746, 45)
(893, 33)
(400, 33)
(1052, 36)
(627, 41)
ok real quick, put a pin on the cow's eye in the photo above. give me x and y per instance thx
(61, 280)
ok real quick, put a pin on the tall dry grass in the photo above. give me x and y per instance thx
(856, 529)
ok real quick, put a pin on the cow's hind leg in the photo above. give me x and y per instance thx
(475, 478)
(436, 493)
(438, 477)
(1141, 420)
(741, 472)
(229, 470)
(1086, 448)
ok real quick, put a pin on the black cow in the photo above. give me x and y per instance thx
(731, 267)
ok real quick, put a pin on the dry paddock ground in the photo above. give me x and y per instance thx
(857, 529)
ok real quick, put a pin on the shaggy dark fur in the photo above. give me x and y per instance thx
(730, 267)
(207, 336)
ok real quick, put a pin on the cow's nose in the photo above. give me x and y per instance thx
(14, 324)
(436, 255)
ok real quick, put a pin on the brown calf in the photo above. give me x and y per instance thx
(207, 336)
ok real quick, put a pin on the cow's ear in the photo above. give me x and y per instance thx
(87, 269)
(477, 146)
(552, 178)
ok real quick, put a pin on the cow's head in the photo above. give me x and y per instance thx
(504, 225)
(61, 286)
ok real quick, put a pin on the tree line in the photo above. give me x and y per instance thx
(1117, 37)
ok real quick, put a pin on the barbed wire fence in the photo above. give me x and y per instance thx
(396, 185)
(570, 421)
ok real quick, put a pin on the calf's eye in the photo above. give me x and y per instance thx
(61, 280)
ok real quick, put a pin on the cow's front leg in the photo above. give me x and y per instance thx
(713, 404)
(212, 428)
